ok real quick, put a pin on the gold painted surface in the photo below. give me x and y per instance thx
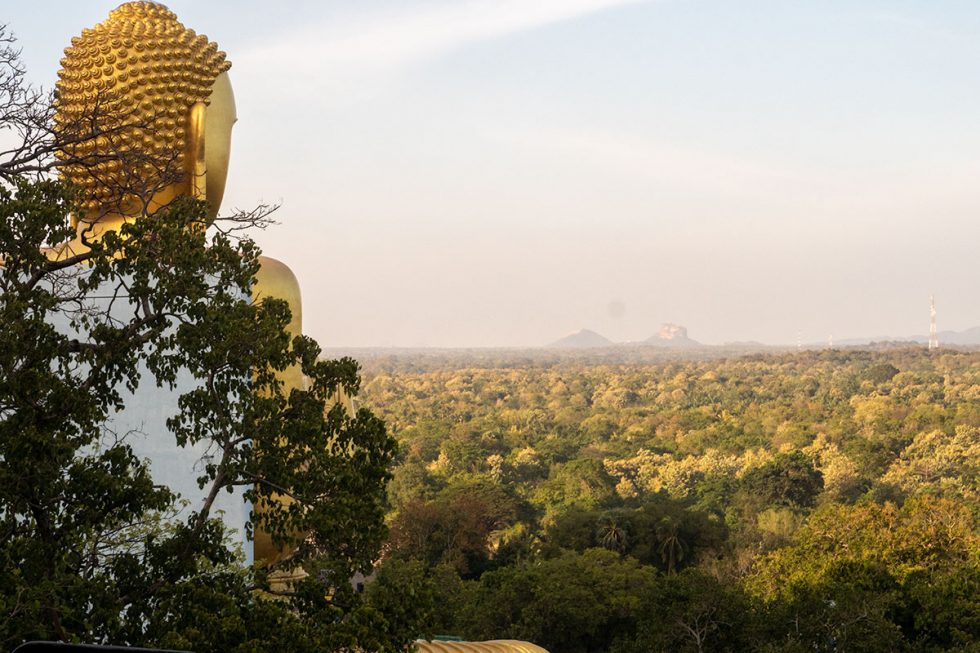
(162, 103)
(135, 76)
(492, 646)
(220, 116)
(275, 279)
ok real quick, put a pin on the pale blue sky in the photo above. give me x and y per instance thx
(497, 172)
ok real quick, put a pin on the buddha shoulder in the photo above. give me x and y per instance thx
(276, 279)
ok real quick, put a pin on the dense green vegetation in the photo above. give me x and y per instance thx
(819, 501)
(92, 550)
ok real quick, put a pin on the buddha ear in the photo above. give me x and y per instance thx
(196, 166)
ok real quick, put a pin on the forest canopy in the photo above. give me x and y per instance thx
(822, 500)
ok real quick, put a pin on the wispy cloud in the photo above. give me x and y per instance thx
(380, 41)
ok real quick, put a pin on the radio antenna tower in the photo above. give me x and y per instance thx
(933, 334)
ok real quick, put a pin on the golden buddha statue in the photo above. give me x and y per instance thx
(145, 109)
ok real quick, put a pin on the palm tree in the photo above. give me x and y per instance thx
(611, 535)
(672, 547)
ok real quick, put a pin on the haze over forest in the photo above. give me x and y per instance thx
(503, 172)
(595, 284)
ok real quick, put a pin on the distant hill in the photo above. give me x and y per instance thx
(672, 335)
(747, 344)
(583, 339)
(969, 337)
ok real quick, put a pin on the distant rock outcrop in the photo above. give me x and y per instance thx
(671, 335)
(583, 339)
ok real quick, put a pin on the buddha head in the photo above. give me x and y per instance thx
(143, 114)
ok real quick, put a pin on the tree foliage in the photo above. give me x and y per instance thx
(795, 502)
(91, 548)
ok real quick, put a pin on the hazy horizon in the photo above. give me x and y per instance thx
(506, 172)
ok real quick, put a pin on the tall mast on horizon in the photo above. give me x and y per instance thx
(933, 334)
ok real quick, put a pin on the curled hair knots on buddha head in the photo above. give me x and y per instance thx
(123, 98)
